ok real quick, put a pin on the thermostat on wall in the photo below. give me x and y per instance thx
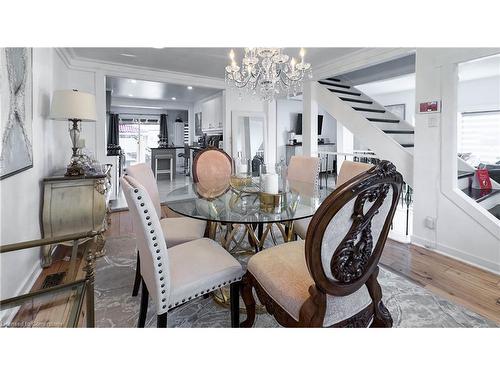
(430, 107)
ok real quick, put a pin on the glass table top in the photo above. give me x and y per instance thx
(53, 307)
(229, 203)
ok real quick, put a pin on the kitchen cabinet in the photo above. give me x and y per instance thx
(212, 114)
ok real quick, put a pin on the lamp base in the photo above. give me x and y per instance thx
(74, 169)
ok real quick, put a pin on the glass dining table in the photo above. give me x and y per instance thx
(242, 206)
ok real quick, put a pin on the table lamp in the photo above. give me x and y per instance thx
(74, 106)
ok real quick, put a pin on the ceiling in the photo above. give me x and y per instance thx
(209, 62)
(137, 89)
(488, 67)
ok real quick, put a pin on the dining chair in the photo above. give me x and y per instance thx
(303, 169)
(211, 171)
(212, 166)
(330, 279)
(348, 170)
(177, 230)
(175, 275)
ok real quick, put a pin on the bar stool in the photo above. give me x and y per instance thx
(164, 171)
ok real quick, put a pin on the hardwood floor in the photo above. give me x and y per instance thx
(456, 281)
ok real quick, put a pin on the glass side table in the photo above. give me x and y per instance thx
(54, 307)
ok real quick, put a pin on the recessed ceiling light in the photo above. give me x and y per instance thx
(130, 95)
(127, 55)
(158, 47)
(133, 81)
(174, 98)
(190, 87)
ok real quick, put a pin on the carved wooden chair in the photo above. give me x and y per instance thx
(349, 169)
(330, 279)
(177, 230)
(178, 274)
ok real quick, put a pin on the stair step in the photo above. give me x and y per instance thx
(464, 174)
(356, 100)
(334, 84)
(332, 79)
(480, 195)
(369, 110)
(407, 145)
(345, 92)
(399, 131)
(386, 120)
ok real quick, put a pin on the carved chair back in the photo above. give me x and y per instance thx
(151, 242)
(347, 234)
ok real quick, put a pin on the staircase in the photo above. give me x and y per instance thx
(387, 135)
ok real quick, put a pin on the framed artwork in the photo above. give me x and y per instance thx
(16, 110)
(398, 110)
(197, 124)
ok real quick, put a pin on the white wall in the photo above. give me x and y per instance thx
(21, 193)
(461, 230)
(406, 97)
(287, 111)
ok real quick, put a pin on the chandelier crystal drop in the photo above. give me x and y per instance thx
(267, 73)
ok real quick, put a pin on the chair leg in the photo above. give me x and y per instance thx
(137, 281)
(382, 317)
(144, 305)
(234, 293)
(247, 296)
(161, 321)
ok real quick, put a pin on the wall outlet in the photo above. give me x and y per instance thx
(430, 222)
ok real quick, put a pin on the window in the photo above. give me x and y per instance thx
(479, 134)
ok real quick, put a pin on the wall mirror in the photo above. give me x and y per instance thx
(247, 129)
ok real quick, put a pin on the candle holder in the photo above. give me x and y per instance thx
(272, 203)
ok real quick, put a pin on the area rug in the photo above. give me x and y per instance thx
(410, 304)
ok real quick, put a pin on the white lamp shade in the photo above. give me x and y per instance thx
(72, 104)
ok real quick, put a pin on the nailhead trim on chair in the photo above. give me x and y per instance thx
(155, 244)
(204, 292)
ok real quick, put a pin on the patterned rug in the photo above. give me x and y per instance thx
(410, 304)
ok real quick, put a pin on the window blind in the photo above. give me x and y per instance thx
(479, 133)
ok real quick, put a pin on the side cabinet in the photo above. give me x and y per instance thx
(74, 205)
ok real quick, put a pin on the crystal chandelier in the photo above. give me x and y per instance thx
(267, 73)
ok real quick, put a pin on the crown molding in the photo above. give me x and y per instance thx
(359, 59)
(132, 71)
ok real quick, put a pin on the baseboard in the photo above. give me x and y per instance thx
(456, 254)
(6, 319)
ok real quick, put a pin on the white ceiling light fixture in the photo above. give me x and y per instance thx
(133, 81)
(174, 98)
(130, 95)
(267, 73)
(190, 87)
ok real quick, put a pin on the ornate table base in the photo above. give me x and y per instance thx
(256, 236)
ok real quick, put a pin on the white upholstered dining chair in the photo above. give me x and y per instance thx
(303, 169)
(175, 275)
(348, 170)
(177, 230)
